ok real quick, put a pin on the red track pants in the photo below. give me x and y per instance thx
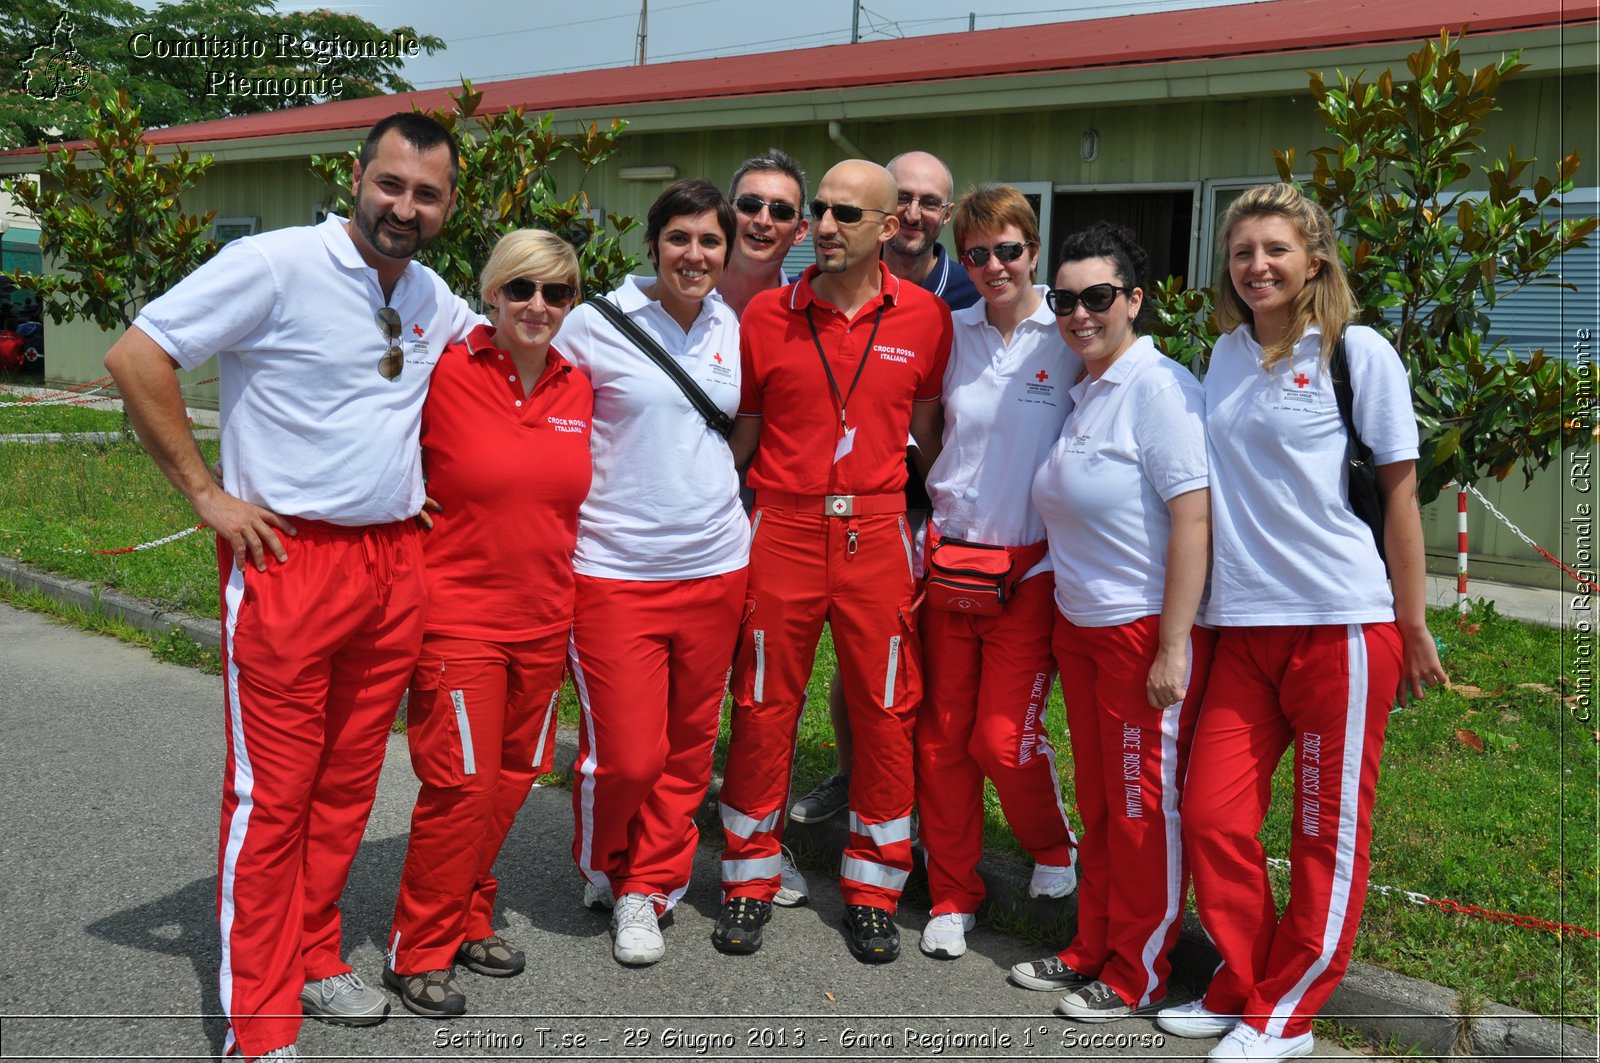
(315, 653)
(481, 725)
(987, 680)
(1328, 689)
(650, 664)
(855, 573)
(1128, 764)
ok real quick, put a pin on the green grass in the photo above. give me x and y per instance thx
(174, 646)
(19, 418)
(1510, 827)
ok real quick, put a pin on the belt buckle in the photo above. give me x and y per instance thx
(839, 505)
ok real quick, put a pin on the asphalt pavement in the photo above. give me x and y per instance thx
(109, 782)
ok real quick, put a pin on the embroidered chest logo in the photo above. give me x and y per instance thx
(568, 424)
(1078, 444)
(1040, 390)
(1041, 376)
(418, 345)
(722, 372)
(894, 354)
(1297, 397)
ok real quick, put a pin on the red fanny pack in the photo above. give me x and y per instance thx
(976, 578)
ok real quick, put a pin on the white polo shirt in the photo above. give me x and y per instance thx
(665, 499)
(309, 426)
(1287, 548)
(1135, 440)
(1004, 405)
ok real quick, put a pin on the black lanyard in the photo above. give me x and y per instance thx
(843, 400)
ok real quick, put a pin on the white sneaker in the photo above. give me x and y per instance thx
(637, 931)
(1245, 1042)
(945, 936)
(344, 1000)
(1051, 881)
(598, 898)
(792, 889)
(286, 1052)
(1195, 1020)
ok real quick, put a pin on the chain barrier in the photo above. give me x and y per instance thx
(1587, 585)
(1530, 922)
(137, 548)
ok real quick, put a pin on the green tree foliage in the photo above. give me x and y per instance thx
(50, 68)
(1429, 260)
(113, 225)
(508, 182)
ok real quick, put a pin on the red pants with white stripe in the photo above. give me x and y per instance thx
(1128, 764)
(1328, 689)
(316, 653)
(855, 573)
(987, 680)
(481, 725)
(650, 663)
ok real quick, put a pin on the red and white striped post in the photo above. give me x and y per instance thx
(1461, 549)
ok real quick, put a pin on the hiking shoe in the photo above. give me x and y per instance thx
(1245, 1042)
(637, 931)
(827, 799)
(872, 937)
(1194, 1019)
(1051, 881)
(1048, 975)
(1095, 1002)
(286, 1052)
(344, 1000)
(792, 889)
(738, 929)
(431, 993)
(493, 956)
(598, 898)
(945, 936)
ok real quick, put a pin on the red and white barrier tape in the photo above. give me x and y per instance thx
(151, 545)
(81, 394)
(1531, 922)
(1587, 585)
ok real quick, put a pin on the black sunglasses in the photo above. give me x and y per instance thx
(555, 294)
(1096, 297)
(843, 213)
(1009, 251)
(394, 359)
(779, 210)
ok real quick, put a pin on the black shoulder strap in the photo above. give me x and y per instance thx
(720, 422)
(1344, 394)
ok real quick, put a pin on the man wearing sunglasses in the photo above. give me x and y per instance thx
(768, 193)
(838, 368)
(325, 337)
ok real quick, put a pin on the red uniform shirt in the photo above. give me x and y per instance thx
(510, 471)
(785, 384)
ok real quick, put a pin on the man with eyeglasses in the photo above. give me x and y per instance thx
(922, 205)
(325, 337)
(768, 193)
(838, 368)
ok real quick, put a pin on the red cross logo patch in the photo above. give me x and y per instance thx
(1301, 380)
(418, 330)
(1041, 376)
(717, 357)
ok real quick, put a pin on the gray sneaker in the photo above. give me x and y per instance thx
(1095, 1002)
(827, 799)
(286, 1052)
(792, 889)
(344, 1000)
(431, 993)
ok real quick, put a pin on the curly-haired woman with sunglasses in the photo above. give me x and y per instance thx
(1124, 498)
(987, 676)
(505, 447)
(1314, 638)
(663, 544)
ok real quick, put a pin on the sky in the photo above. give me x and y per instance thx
(490, 40)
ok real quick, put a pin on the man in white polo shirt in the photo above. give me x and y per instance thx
(325, 337)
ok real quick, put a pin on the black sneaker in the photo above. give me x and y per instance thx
(872, 935)
(1048, 975)
(493, 956)
(431, 993)
(827, 799)
(738, 929)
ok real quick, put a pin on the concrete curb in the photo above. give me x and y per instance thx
(1384, 1006)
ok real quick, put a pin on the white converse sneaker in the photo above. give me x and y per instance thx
(1195, 1020)
(1245, 1042)
(792, 889)
(637, 932)
(1051, 881)
(945, 936)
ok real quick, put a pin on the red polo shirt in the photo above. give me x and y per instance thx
(510, 471)
(784, 383)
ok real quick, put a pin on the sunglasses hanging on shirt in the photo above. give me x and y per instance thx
(394, 359)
